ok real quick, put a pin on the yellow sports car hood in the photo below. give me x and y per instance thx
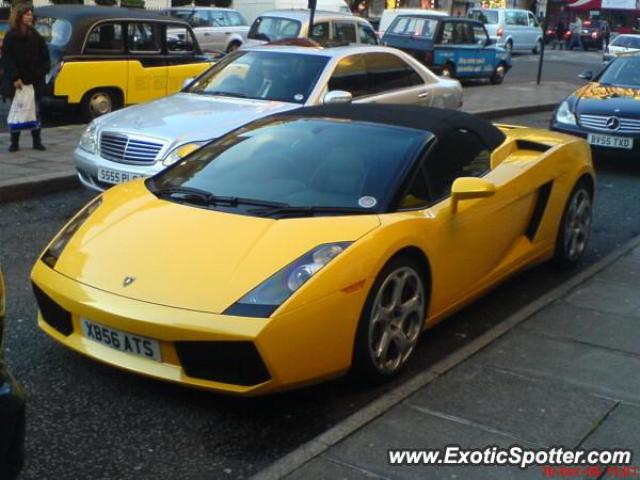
(190, 257)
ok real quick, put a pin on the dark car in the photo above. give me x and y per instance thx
(606, 111)
(595, 34)
(12, 412)
(451, 46)
(103, 58)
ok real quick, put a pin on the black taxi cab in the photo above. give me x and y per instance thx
(104, 58)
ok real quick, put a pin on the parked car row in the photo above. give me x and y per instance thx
(250, 84)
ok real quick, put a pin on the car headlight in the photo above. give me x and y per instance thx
(270, 294)
(51, 255)
(181, 152)
(89, 138)
(565, 115)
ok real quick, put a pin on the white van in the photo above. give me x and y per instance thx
(512, 28)
(390, 14)
(252, 9)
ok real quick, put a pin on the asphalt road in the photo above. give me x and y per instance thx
(86, 420)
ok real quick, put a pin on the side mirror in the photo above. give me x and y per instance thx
(586, 75)
(489, 42)
(186, 82)
(468, 188)
(337, 96)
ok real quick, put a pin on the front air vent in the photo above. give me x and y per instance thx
(52, 313)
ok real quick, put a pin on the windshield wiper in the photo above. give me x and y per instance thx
(226, 94)
(209, 199)
(309, 211)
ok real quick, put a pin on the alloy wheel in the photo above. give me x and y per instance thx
(577, 227)
(396, 319)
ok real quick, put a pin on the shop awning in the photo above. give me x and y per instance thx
(584, 5)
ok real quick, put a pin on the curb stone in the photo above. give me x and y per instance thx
(323, 442)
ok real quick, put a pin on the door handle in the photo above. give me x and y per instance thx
(227, 33)
(424, 94)
(207, 34)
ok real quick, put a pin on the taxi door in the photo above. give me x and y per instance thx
(456, 45)
(183, 57)
(147, 63)
(487, 54)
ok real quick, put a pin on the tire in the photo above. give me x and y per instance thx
(391, 321)
(537, 48)
(498, 74)
(448, 71)
(97, 103)
(575, 227)
(233, 46)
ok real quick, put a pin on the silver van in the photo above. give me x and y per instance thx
(515, 29)
(220, 29)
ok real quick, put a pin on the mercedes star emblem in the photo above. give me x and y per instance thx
(128, 281)
(613, 123)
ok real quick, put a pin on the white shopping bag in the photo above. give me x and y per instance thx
(22, 114)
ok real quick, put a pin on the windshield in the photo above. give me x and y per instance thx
(300, 162)
(274, 28)
(624, 71)
(55, 31)
(284, 77)
(488, 17)
(626, 42)
(414, 26)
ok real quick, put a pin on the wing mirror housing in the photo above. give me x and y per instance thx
(468, 188)
(337, 96)
(586, 75)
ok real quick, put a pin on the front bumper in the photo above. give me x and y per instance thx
(305, 345)
(88, 165)
(12, 420)
(580, 131)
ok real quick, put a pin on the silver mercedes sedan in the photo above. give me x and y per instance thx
(249, 84)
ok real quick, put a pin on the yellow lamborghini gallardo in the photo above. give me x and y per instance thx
(311, 243)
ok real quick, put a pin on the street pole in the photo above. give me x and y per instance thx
(545, 26)
(312, 6)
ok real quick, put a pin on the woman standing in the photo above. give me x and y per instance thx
(26, 62)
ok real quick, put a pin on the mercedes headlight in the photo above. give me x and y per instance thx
(270, 294)
(89, 139)
(181, 152)
(51, 255)
(565, 115)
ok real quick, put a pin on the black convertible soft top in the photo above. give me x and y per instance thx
(438, 121)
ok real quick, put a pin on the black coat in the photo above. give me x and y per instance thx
(25, 57)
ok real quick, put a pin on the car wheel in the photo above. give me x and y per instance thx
(448, 71)
(575, 227)
(498, 74)
(537, 48)
(391, 321)
(97, 103)
(233, 46)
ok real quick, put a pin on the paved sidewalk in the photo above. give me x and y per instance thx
(29, 172)
(563, 372)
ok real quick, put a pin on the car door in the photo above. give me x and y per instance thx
(219, 30)
(521, 31)
(534, 31)
(392, 80)
(181, 52)
(350, 75)
(147, 63)
(366, 35)
(321, 32)
(474, 242)
(486, 53)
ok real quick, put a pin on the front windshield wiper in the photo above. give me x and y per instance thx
(224, 94)
(207, 198)
(309, 211)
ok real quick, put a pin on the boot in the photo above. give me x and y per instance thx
(15, 142)
(37, 142)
